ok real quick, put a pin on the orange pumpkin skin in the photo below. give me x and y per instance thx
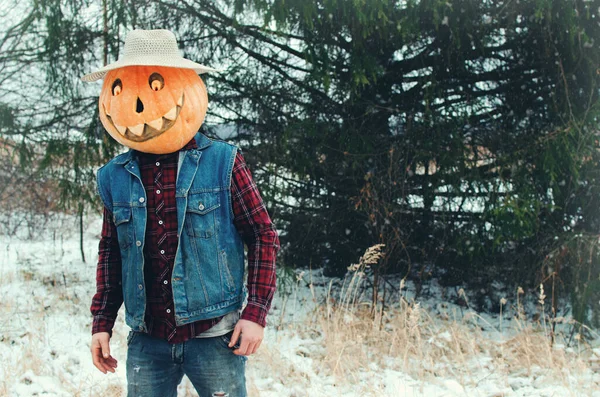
(153, 109)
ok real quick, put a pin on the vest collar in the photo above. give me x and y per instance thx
(202, 141)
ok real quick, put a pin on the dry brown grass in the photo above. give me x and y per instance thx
(408, 338)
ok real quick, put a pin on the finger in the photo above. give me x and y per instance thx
(258, 345)
(103, 364)
(100, 367)
(236, 333)
(109, 364)
(97, 358)
(109, 367)
(112, 361)
(98, 364)
(251, 349)
(105, 348)
(243, 347)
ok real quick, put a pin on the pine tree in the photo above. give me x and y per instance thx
(463, 134)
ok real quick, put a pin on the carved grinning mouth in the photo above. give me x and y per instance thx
(150, 129)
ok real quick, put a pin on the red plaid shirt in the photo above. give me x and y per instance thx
(159, 173)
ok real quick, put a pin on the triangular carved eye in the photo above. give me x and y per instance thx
(156, 81)
(117, 87)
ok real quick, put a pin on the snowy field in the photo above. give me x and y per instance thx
(322, 339)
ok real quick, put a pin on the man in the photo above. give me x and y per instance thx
(178, 208)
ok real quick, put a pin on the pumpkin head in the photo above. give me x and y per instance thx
(153, 109)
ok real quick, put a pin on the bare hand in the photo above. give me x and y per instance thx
(252, 336)
(101, 353)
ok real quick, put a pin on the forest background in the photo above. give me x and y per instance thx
(463, 135)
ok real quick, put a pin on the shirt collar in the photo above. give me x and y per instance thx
(151, 157)
(190, 145)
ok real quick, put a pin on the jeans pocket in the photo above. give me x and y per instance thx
(131, 337)
(227, 338)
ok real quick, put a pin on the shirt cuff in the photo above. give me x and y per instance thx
(255, 313)
(102, 324)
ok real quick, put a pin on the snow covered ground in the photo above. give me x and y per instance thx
(314, 346)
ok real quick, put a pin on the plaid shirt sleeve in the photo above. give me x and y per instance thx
(109, 294)
(258, 232)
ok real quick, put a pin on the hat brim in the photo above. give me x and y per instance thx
(181, 63)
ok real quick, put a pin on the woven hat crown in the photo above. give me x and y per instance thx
(151, 42)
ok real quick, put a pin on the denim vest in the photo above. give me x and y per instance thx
(208, 271)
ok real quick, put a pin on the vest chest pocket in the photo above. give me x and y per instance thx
(122, 220)
(200, 217)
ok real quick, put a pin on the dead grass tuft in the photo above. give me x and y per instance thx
(407, 337)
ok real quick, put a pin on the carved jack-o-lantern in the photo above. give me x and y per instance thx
(153, 109)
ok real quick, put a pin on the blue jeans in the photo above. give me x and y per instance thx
(155, 367)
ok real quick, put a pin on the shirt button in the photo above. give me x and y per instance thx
(158, 191)
(162, 252)
(160, 222)
(140, 286)
(168, 310)
(157, 163)
(201, 206)
(141, 327)
(142, 200)
(165, 282)
(138, 243)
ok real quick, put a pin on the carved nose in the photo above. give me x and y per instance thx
(139, 107)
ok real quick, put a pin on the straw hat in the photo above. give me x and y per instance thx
(150, 47)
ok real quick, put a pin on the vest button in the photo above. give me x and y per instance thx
(138, 243)
(141, 327)
(201, 207)
(140, 286)
(142, 200)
